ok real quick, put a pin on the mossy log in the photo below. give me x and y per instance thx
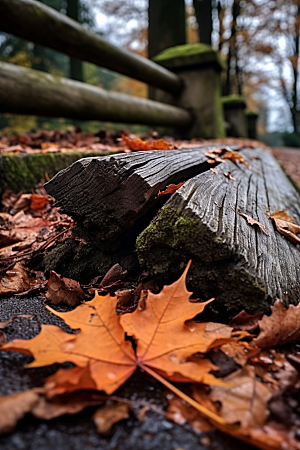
(107, 195)
(237, 263)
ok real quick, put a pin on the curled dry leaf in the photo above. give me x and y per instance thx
(107, 416)
(170, 189)
(229, 176)
(281, 327)
(251, 221)
(235, 156)
(15, 280)
(214, 171)
(63, 290)
(245, 400)
(286, 225)
(245, 321)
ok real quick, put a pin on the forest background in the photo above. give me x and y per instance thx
(259, 39)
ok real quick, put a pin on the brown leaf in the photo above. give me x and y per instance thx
(170, 189)
(281, 327)
(181, 412)
(286, 225)
(214, 171)
(235, 156)
(15, 280)
(251, 221)
(245, 401)
(229, 176)
(63, 290)
(39, 201)
(107, 416)
(14, 406)
(115, 274)
(246, 322)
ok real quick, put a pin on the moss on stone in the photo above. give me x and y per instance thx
(23, 172)
(252, 114)
(190, 55)
(233, 101)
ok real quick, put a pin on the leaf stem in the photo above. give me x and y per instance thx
(185, 397)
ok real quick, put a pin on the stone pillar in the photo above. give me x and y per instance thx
(199, 67)
(234, 112)
(252, 117)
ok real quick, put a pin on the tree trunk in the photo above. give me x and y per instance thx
(203, 12)
(166, 25)
(76, 66)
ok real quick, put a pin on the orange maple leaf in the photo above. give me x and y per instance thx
(165, 334)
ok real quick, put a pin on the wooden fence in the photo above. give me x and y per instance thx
(27, 91)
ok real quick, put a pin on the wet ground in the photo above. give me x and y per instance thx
(78, 432)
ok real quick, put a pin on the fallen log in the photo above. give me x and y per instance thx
(242, 265)
(106, 195)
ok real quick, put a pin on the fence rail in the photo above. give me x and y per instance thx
(43, 25)
(27, 91)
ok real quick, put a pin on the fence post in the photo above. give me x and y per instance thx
(252, 117)
(235, 118)
(199, 67)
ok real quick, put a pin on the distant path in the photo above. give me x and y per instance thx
(289, 158)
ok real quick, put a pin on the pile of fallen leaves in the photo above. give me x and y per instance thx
(51, 141)
(237, 376)
(29, 225)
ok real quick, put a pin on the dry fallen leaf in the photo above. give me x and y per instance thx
(170, 189)
(63, 290)
(138, 144)
(13, 407)
(181, 412)
(229, 176)
(281, 327)
(107, 416)
(245, 400)
(245, 321)
(15, 280)
(235, 156)
(286, 225)
(251, 221)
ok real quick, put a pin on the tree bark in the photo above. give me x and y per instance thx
(203, 12)
(166, 25)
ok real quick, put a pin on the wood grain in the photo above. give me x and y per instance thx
(233, 261)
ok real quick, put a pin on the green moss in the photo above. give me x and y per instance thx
(183, 50)
(190, 55)
(252, 114)
(23, 172)
(234, 100)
